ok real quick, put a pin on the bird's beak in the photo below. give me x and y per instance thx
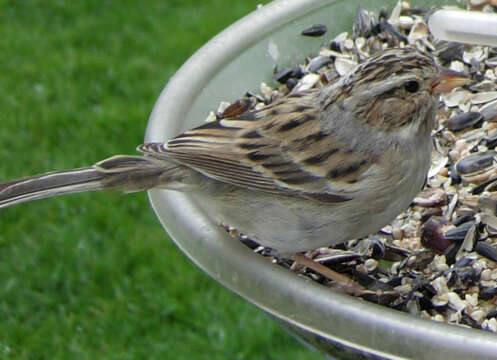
(448, 80)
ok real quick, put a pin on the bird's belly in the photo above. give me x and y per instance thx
(290, 225)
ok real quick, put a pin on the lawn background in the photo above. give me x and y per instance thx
(93, 276)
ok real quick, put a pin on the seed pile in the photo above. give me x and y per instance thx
(438, 259)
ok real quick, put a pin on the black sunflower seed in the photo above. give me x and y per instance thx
(464, 120)
(315, 30)
(486, 250)
(475, 162)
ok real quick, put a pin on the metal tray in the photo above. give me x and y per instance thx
(341, 326)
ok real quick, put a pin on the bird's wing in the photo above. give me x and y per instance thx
(281, 149)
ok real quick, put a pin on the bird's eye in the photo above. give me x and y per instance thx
(411, 86)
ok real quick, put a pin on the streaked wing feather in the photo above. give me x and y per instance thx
(280, 149)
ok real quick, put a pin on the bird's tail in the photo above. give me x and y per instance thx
(127, 173)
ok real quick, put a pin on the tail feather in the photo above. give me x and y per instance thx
(49, 184)
(128, 173)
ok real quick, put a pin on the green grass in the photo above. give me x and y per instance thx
(93, 276)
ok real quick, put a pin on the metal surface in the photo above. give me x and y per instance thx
(345, 327)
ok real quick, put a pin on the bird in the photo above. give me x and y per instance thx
(313, 168)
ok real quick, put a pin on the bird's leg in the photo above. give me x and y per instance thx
(345, 284)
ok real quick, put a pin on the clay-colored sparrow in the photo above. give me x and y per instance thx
(314, 168)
